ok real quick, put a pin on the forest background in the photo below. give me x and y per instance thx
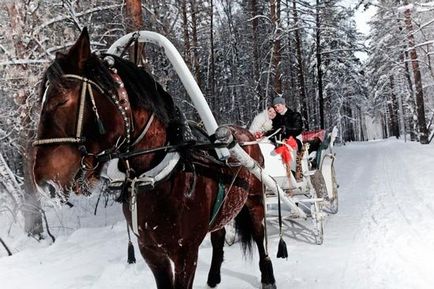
(242, 53)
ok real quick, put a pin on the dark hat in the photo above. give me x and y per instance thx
(278, 100)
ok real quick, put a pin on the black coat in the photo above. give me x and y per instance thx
(291, 124)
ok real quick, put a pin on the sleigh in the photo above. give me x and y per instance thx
(315, 191)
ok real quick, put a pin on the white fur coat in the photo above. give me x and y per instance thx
(261, 123)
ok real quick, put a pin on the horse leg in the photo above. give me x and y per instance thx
(160, 266)
(185, 266)
(217, 241)
(256, 212)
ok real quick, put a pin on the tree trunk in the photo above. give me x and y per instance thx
(393, 108)
(134, 17)
(275, 18)
(134, 22)
(187, 48)
(292, 83)
(385, 126)
(420, 106)
(401, 113)
(32, 205)
(318, 65)
(195, 45)
(300, 69)
(411, 100)
(211, 75)
(254, 10)
(256, 78)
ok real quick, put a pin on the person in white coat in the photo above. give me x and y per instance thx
(262, 122)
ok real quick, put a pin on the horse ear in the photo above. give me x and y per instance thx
(80, 51)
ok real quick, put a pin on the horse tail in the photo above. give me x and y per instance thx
(243, 228)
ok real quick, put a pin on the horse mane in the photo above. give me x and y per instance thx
(143, 90)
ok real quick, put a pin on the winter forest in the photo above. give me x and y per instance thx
(242, 53)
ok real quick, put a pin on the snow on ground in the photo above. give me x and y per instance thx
(381, 238)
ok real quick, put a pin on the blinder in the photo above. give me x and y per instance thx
(86, 89)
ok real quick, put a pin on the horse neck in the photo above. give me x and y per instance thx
(155, 136)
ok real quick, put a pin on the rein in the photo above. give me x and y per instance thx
(122, 105)
(106, 156)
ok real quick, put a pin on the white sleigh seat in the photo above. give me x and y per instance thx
(274, 166)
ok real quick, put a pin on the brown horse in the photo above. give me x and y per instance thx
(96, 108)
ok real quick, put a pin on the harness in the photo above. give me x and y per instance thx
(123, 147)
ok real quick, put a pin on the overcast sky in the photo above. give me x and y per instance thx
(362, 17)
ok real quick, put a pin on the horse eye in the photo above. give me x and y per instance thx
(56, 103)
(62, 102)
(59, 102)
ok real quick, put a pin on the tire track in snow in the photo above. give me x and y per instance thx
(365, 158)
(392, 231)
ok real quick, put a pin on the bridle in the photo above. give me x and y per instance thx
(121, 102)
(87, 90)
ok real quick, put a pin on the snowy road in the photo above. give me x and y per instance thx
(382, 237)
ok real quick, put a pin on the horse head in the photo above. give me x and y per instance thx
(86, 112)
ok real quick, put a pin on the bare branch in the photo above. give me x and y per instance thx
(64, 17)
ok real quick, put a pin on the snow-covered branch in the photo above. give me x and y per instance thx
(61, 18)
(420, 44)
(25, 62)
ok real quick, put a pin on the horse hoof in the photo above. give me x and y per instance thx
(213, 281)
(269, 286)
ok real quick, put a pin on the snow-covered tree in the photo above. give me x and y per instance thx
(399, 68)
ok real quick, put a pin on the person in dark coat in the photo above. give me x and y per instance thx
(288, 121)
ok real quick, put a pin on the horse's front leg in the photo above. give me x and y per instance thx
(185, 266)
(218, 242)
(160, 265)
(256, 211)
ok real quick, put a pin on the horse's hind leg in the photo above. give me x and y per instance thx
(160, 266)
(217, 241)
